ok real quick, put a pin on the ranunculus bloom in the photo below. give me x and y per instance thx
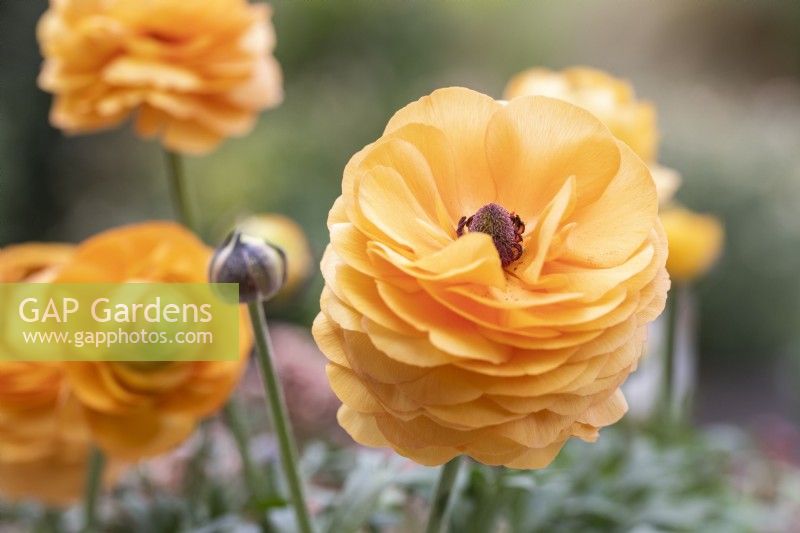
(438, 349)
(44, 440)
(610, 99)
(286, 234)
(141, 409)
(695, 242)
(32, 262)
(193, 71)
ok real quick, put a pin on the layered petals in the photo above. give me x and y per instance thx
(435, 348)
(613, 101)
(44, 436)
(142, 409)
(193, 73)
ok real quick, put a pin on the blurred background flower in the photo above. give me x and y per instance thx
(610, 99)
(695, 243)
(44, 438)
(613, 101)
(141, 409)
(192, 72)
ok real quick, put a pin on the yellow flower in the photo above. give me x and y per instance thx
(141, 409)
(44, 439)
(695, 242)
(610, 99)
(285, 233)
(193, 71)
(491, 273)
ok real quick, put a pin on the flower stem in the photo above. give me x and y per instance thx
(51, 520)
(670, 346)
(280, 418)
(256, 485)
(488, 500)
(94, 480)
(195, 477)
(235, 421)
(444, 497)
(233, 416)
(177, 179)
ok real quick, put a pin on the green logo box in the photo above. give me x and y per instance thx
(139, 322)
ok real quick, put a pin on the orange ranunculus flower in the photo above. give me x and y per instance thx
(193, 71)
(695, 242)
(44, 439)
(610, 99)
(491, 273)
(32, 262)
(286, 234)
(141, 409)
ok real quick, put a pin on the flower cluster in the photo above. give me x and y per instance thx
(439, 346)
(51, 414)
(192, 73)
(492, 271)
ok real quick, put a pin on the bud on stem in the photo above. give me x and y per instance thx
(256, 265)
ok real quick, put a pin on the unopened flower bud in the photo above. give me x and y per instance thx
(285, 233)
(256, 265)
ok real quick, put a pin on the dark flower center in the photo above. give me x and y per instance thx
(505, 228)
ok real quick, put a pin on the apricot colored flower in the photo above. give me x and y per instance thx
(610, 99)
(193, 72)
(286, 234)
(141, 409)
(491, 273)
(32, 262)
(44, 440)
(695, 242)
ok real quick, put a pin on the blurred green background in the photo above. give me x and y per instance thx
(724, 75)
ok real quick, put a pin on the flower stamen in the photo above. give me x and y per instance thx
(505, 228)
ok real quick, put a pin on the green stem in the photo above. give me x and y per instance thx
(177, 180)
(670, 346)
(687, 401)
(443, 497)
(488, 501)
(51, 521)
(280, 418)
(195, 479)
(256, 485)
(182, 205)
(94, 481)
(235, 420)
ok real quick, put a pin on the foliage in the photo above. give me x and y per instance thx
(625, 482)
(662, 480)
